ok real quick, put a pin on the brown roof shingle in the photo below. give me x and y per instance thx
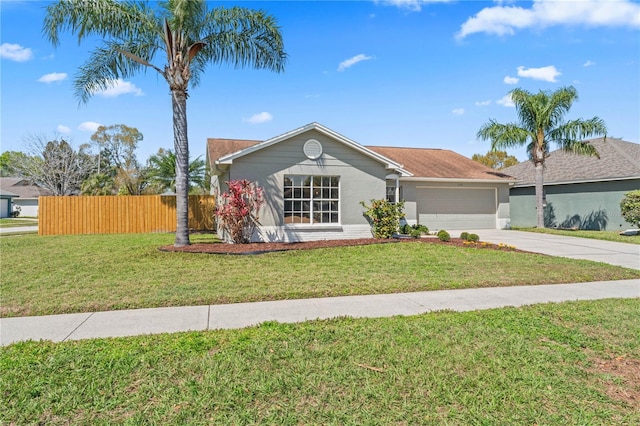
(421, 162)
(618, 159)
(439, 163)
(217, 148)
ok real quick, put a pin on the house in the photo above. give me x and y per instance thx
(6, 203)
(315, 179)
(25, 194)
(580, 191)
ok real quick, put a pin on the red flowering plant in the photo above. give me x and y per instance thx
(238, 209)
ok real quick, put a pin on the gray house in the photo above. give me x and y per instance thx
(25, 194)
(314, 180)
(580, 191)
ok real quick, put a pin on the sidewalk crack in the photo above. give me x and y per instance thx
(78, 326)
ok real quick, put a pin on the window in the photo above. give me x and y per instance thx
(311, 199)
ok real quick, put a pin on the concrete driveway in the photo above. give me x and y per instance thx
(620, 254)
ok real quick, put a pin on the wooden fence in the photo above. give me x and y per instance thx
(120, 214)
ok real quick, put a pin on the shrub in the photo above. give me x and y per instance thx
(238, 210)
(473, 237)
(444, 235)
(630, 207)
(422, 228)
(406, 229)
(464, 235)
(415, 233)
(384, 217)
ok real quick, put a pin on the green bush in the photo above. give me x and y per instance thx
(415, 233)
(473, 237)
(630, 207)
(464, 235)
(384, 217)
(423, 229)
(444, 235)
(406, 229)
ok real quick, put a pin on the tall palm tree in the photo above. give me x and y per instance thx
(191, 36)
(541, 121)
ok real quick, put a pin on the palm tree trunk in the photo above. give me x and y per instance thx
(181, 145)
(539, 185)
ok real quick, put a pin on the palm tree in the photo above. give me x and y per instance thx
(190, 35)
(162, 171)
(541, 121)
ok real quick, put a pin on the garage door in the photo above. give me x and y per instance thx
(457, 208)
(4, 207)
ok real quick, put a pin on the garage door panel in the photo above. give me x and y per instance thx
(454, 208)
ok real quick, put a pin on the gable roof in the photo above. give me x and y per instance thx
(411, 163)
(618, 160)
(21, 187)
(428, 163)
(240, 148)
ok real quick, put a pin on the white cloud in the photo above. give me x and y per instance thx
(53, 77)
(457, 111)
(588, 64)
(262, 117)
(120, 87)
(410, 5)
(511, 80)
(89, 126)
(347, 63)
(483, 103)
(506, 101)
(15, 52)
(548, 73)
(505, 20)
(63, 129)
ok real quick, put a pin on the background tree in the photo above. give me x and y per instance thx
(53, 164)
(117, 145)
(7, 161)
(189, 36)
(162, 172)
(541, 122)
(496, 159)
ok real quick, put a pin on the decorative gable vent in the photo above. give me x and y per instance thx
(312, 149)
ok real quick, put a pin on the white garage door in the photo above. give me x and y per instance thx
(457, 208)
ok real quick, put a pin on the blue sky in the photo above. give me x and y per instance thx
(396, 73)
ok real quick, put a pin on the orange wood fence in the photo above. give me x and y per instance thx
(112, 214)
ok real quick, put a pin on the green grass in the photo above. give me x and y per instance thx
(64, 274)
(15, 222)
(544, 365)
(597, 235)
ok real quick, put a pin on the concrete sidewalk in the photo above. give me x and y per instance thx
(60, 328)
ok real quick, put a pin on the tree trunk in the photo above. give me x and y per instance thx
(181, 145)
(539, 185)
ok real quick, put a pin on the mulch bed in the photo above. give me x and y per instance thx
(259, 248)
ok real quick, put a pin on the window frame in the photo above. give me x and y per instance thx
(297, 186)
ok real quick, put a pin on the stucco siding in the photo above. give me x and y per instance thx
(28, 206)
(361, 178)
(591, 205)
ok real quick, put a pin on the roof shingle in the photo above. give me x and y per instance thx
(618, 160)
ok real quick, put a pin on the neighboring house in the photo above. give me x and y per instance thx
(314, 180)
(580, 191)
(6, 202)
(26, 194)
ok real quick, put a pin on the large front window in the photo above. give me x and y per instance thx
(311, 199)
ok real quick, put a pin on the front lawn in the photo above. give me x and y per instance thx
(17, 222)
(597, 235)
(63, 274)
(552, 364)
